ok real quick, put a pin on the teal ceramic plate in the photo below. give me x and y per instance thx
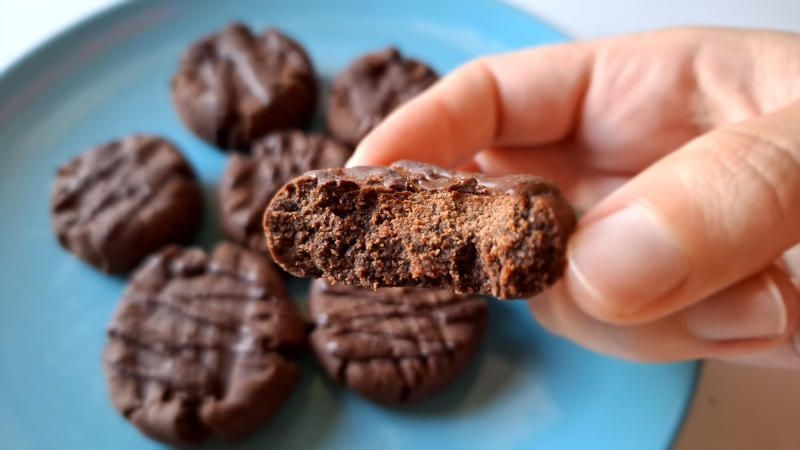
(108, 77)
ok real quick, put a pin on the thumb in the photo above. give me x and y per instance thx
(722, 207)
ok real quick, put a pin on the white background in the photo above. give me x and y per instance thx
(736, 407)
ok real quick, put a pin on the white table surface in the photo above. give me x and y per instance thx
(736, 407)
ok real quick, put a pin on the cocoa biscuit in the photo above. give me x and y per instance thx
(116, 203)
(370, 88)
(202, 345)
(250, 181)
(394, 345)
(234, 87)
(414, 224)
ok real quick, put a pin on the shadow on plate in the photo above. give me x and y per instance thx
(209, 234)
(490, 372)
(296, 425)
(318, 122)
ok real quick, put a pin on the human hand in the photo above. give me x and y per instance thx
(683, 146)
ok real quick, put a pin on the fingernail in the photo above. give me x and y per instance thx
(626, 260)
(752, 309)
(352, 162)
(355, 158)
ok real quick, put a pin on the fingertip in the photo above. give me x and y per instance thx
(393, 139)
(622, 265)
(786, 289)
(445, 125)
(374, 150)
(590, 301)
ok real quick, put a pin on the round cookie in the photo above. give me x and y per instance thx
(234, 87)
(198, 345)
(394, 345)
(250, 181)
(118, 202)
(370, 88)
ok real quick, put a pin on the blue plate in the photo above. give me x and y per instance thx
(108, 77)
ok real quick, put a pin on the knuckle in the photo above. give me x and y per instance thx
(773, 168)
(752, 172)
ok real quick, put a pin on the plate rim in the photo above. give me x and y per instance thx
(694, 383)
(53, 39)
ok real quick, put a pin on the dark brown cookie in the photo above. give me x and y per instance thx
(234, 87)
(419, 225)
(118, 202)
(370, 88)
(394, 345)
(249, 182)
(199, 345)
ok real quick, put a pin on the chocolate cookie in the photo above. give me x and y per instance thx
(233, 87)
(118, 202)
(419, 225)
(394, 345)
(249, 182)
(370, 88)
(200, 345)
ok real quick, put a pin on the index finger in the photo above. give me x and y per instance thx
(530, 97)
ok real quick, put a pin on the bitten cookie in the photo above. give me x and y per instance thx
(370, 88)
(118, 202)
(201, 345)
(394, 345)
(415, 224)
(234, 87)
(249, 182)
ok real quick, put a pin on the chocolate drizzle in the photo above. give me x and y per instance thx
(394, 345)
(413, 175)
(371, 88)
(201, 345)
(117, 202)
(234, 87)
(249, 182)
